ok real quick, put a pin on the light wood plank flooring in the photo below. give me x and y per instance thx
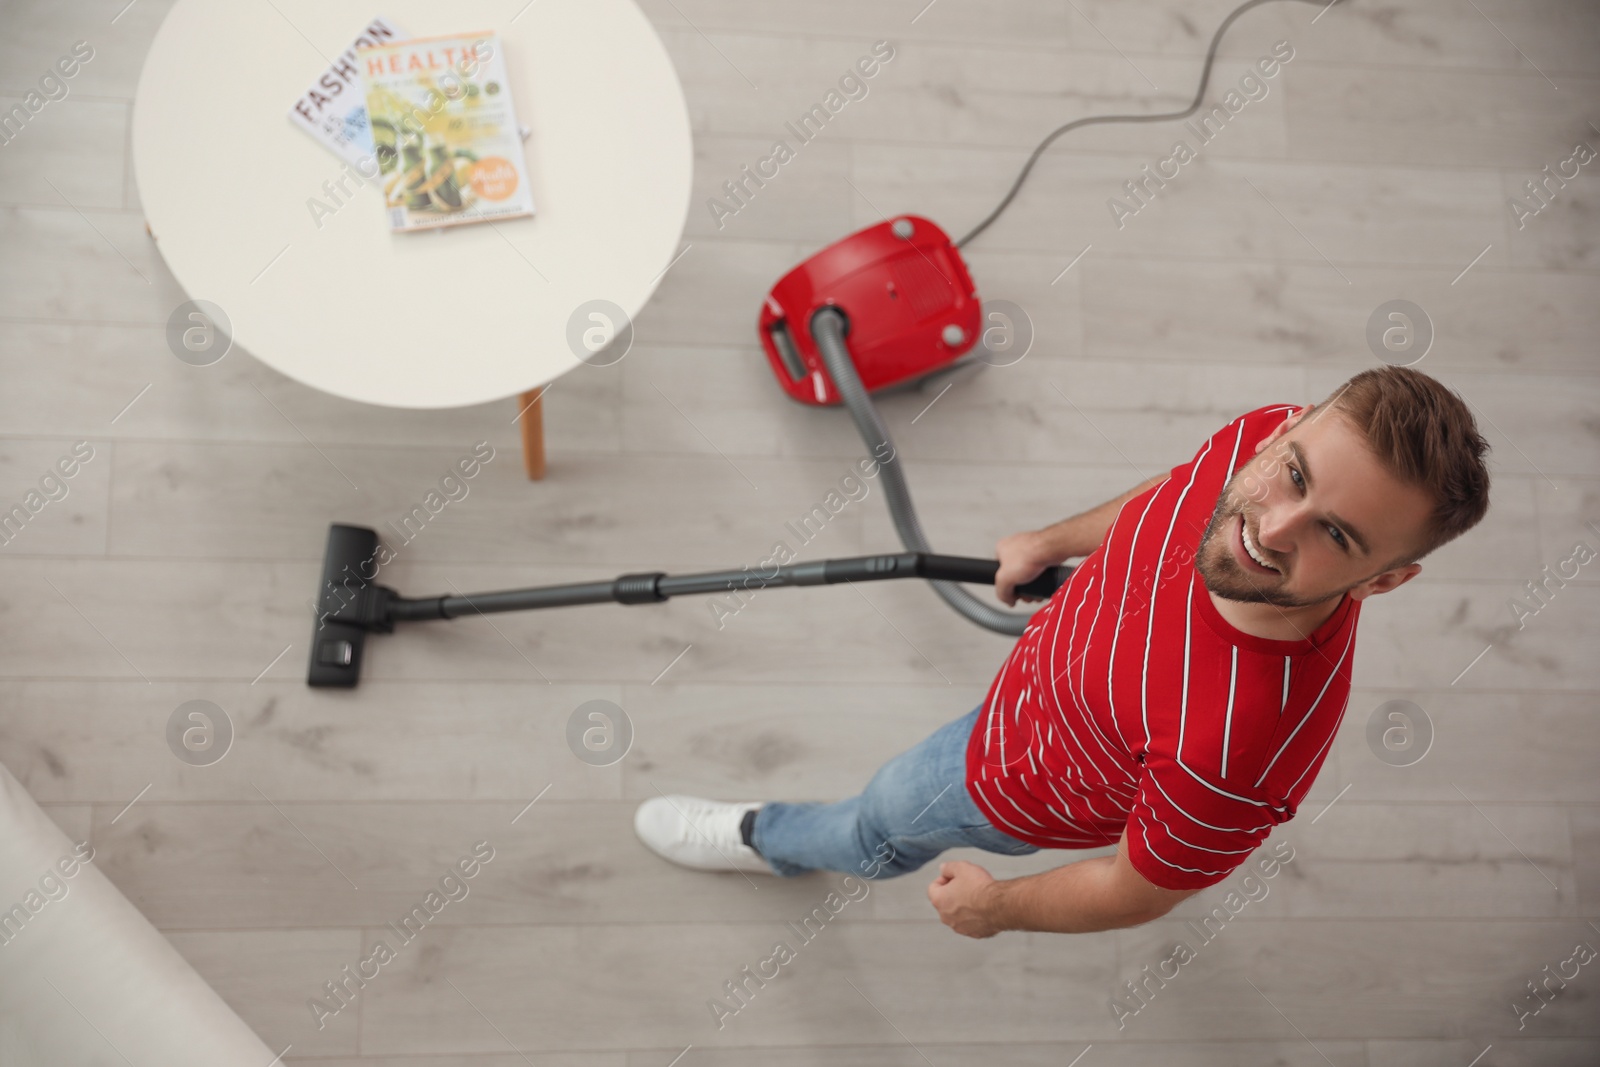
(1421, 900)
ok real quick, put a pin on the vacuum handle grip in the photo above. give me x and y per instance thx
(983, 571)
(1046, 584)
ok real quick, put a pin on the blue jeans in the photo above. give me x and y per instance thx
(915, 807)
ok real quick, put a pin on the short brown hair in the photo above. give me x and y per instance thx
(1425, 435)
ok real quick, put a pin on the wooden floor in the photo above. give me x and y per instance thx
(1421, 901)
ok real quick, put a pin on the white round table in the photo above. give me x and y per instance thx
(435, 319)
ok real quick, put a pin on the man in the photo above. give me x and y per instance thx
(1176, 697)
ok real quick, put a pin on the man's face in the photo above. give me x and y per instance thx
(1318, 509)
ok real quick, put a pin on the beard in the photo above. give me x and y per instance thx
(1222, 572)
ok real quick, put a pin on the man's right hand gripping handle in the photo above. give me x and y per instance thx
(1024, 556)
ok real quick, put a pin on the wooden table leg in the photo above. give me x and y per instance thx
(532, 419)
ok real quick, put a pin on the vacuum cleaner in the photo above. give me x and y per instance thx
(886, 307)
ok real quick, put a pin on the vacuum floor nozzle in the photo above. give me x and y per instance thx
(346, 592)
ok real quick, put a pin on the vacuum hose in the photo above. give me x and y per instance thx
(828, 327)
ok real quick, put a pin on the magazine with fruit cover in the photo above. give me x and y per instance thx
(334, 109)
(445, 131)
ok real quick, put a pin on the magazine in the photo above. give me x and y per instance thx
(445, 131)
(334, 109)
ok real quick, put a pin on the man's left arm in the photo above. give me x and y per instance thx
(1101, 893)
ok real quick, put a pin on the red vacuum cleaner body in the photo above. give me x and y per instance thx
(905, 292)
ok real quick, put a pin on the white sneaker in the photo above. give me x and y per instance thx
(703, 834)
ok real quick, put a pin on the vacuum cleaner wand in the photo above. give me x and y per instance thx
(350, 605)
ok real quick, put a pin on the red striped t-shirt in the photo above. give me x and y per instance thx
(1130, 702)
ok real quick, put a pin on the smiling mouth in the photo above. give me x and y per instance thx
(1252, 551)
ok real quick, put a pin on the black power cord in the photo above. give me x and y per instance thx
(1099, 120)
